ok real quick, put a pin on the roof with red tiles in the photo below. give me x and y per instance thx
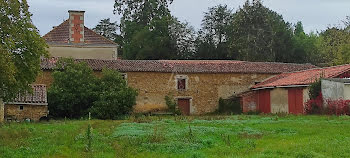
(59, 35)
(303, 78)
(185, 66)
(38, 97)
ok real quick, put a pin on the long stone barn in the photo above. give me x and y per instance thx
(288, 92)
(196, 85)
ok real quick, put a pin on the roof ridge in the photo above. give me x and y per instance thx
(316, 68)
(281, 63)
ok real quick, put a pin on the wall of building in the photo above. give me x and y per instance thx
(249, 101)
(306, 96)
(44, 77)
(278, 97)
(347, 91)
(332, 90)
(279, 100)
(107, 53)
(2, 111)
(204, 89)
(33, 112)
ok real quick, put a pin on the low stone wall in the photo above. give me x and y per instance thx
(33, 112)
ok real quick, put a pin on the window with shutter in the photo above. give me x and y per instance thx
(181, 84)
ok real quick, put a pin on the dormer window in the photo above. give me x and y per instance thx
(181, 82)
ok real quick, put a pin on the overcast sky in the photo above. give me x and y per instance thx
(316, 15)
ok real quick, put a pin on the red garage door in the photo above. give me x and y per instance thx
(264, 101)
(295, 101)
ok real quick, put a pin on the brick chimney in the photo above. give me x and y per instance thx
(76, 29)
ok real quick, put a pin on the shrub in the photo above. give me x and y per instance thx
(228, 106)
(115, 98)
(72, 91)
(338, 107)
(172, 106)
(315, 106)
(76, 90)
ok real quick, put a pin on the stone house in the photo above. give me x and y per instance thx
(288, 92)
(72, 39)
(28, 106)
(196, 85)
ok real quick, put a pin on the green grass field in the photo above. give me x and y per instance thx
(207, 136)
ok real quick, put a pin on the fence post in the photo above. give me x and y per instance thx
(2, 111)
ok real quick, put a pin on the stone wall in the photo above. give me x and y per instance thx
(33, 112)
(204, 90)
(44, 77)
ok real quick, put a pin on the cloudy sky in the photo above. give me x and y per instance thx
(316, 15)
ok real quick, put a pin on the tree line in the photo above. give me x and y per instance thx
(147, 30)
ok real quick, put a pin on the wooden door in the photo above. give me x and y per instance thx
(184, 106)
(264, 101)
(295, 101)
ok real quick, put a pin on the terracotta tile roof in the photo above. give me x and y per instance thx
(186, 66)
(39, 96)
(60, 36)
(303, 77)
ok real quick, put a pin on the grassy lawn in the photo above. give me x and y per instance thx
(207, 136)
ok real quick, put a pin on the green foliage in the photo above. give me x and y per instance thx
(305, 47)
(89, 138)
(148, 42)
(172, 106)
(72, 91)
(107, 29)
(335, 45)
(76, 90)
(115, 98)
(230, 136)
(229, 106)
(20, 49)
(142, 11)
(315, 89)
(212, 38)
(183, 36)
(259, 34)
(145, 29)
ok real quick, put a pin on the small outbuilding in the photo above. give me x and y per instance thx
(31, 106)
(288, 92)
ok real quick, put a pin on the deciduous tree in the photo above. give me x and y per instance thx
(259, 34)
(212, 38)
(20, 48)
